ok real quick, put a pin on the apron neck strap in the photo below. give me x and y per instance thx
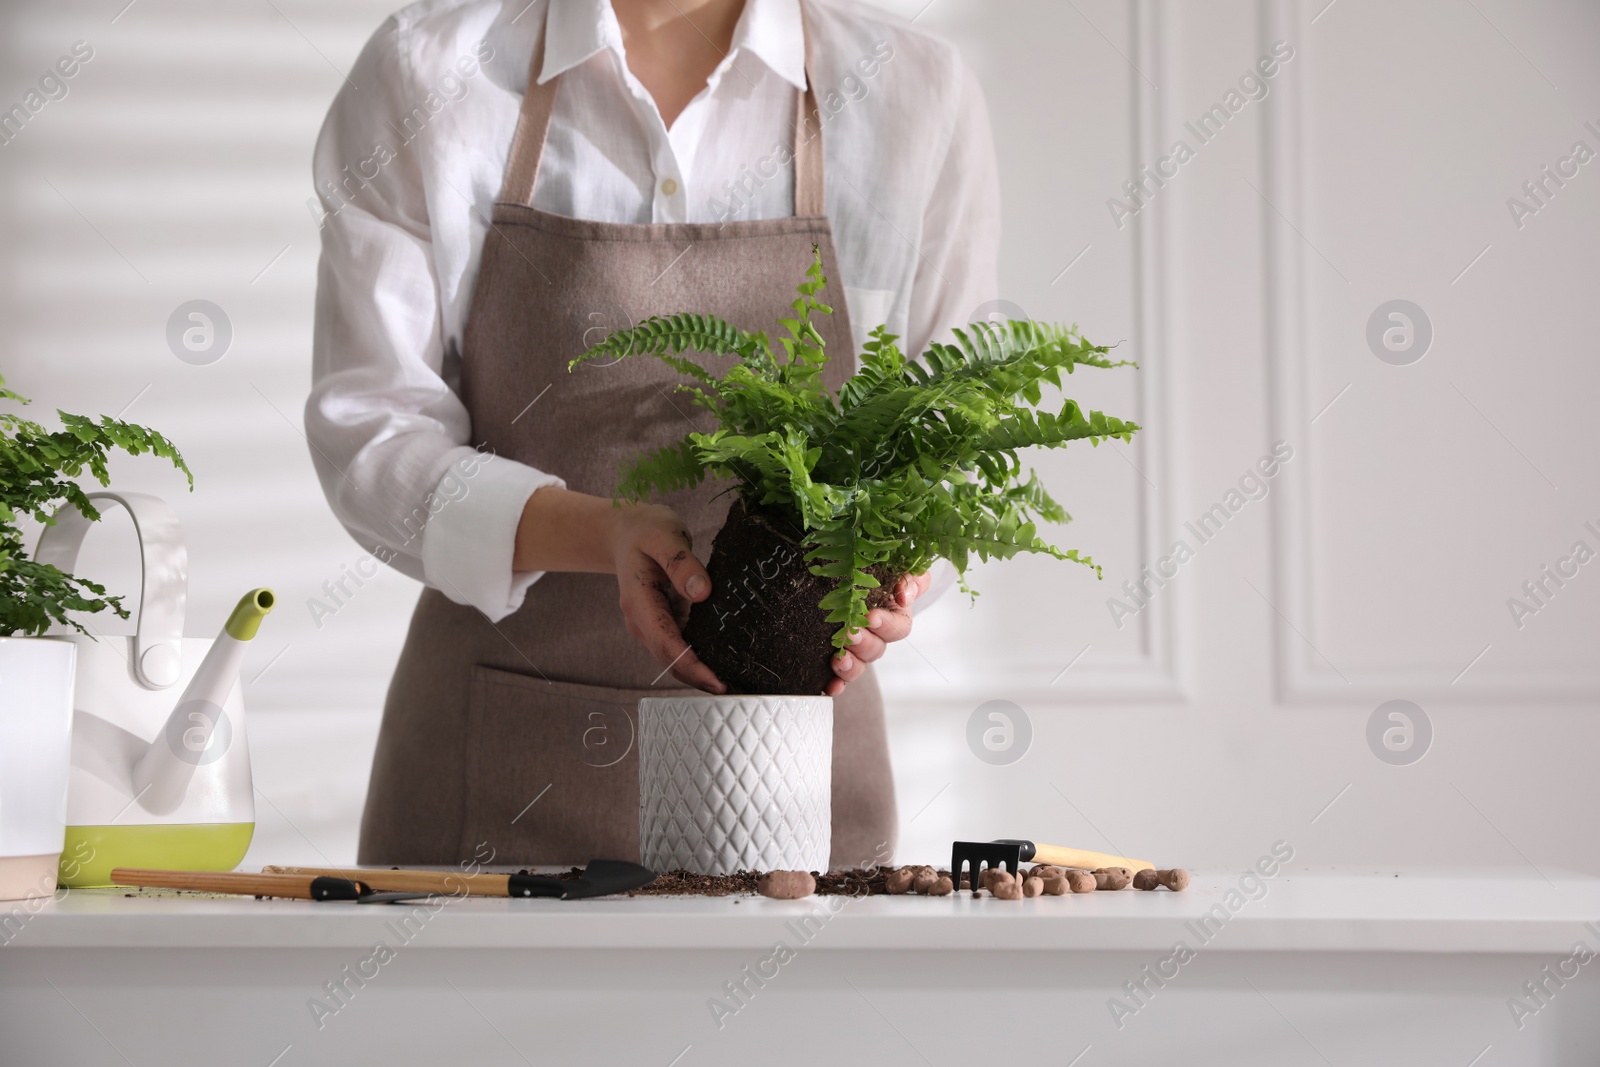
(808, 178)
(539, 101)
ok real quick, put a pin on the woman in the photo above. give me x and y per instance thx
(499, 186)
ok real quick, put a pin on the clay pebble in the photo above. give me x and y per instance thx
(990, 874)
(1176, 879)
(1006, 889)
(786, 885)
(899, 880)
(941, 887)
(1081, 882)
(924, 880)
(1147, 879)
(1112, 878)
(1032, 887)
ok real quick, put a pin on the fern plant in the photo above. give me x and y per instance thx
(912, 460)
(38, 468)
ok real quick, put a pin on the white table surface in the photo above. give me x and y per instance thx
(1328, 967)
(1310, 911)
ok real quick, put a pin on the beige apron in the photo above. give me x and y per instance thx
(521, 734)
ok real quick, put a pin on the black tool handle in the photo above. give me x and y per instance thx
(328, 888)
(536, 885)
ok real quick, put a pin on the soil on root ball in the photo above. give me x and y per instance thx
(761, 630)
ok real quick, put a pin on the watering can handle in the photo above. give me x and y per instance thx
(157, 659)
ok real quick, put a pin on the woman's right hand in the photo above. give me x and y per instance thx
(658, 577)
(646, 546)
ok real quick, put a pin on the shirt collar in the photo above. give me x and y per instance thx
(770, 30)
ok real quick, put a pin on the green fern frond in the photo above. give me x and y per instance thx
(666, 470)
(1025, 428)
(666, 336)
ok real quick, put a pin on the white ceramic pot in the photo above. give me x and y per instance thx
(735, 783)
(35, 755)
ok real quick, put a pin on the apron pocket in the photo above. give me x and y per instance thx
(552, 769)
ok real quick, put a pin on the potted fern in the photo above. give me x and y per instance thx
(38, 468)
(838, 497)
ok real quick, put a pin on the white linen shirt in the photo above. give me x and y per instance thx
(410, 162)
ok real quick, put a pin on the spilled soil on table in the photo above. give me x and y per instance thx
(859, 882)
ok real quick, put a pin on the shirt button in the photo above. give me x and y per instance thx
(669, 187)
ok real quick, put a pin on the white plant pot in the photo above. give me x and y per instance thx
(35, 756)
(735, 783)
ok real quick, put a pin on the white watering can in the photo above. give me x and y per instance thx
(160, 763)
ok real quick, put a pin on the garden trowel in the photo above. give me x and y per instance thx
(599, 879)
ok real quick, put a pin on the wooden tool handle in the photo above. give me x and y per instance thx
(446, 883)
(294, 886)
(1089, 861)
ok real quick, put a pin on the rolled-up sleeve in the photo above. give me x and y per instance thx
(390, 439)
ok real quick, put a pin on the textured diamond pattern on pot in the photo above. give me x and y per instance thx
(735, 783)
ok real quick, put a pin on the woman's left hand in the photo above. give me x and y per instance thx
(883, 626)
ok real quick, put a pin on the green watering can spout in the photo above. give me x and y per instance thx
(247, 616)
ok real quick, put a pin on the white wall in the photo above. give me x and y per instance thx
(1231, 711)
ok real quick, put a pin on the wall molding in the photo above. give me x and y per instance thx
(1301, 674)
